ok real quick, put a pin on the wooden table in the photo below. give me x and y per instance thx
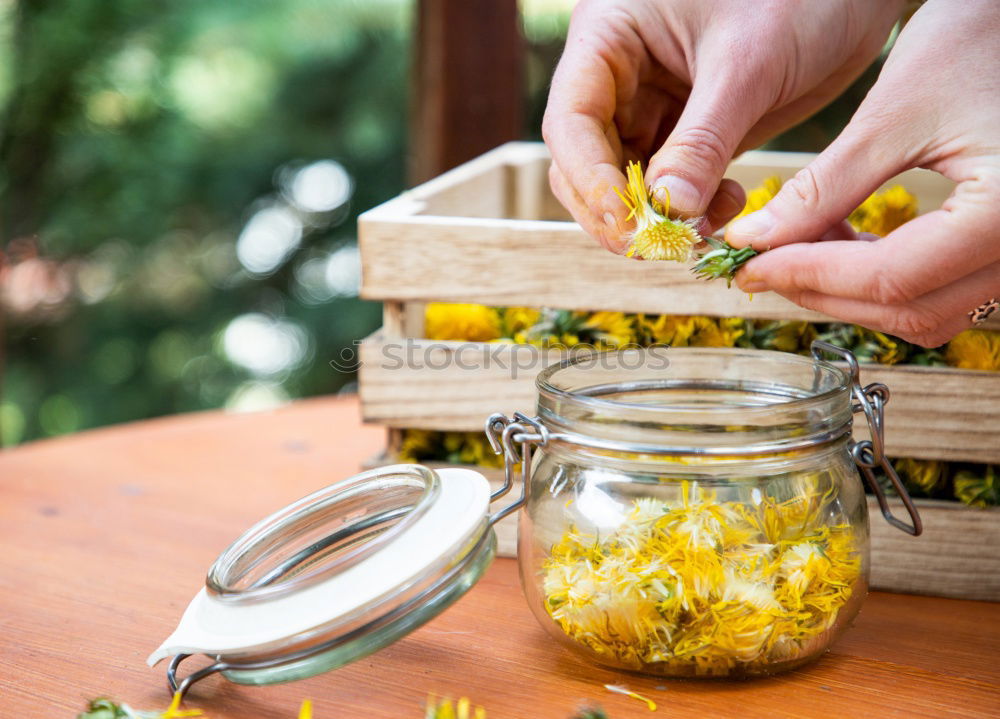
(106, 536)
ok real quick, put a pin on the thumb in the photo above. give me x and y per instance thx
(692, 161)
(825, 191)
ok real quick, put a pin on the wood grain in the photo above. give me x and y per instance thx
(933, 413)
(537, 264)
(490, 231)
(108, 534)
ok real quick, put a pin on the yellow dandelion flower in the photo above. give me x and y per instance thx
(717, 333)
(867, 345)
(105, 708)
(619, 689)
(883, 212)
(656, 236)
(691, 330)
(469, 448)
(417, 445)
(975, 349)
(464, 322)
(175, 712)
(518, 320)
(784, 336)
(614, 329)
(801, 565)
(444, 709)
(673, 330)
(926, 475)
(456, 447)
(760, 196)
(978, 489)
(482, 454)
(557, 329)
(884, 349)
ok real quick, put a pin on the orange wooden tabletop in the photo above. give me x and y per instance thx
(107, 535)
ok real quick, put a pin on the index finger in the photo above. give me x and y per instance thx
(580, 111)
(924, 254)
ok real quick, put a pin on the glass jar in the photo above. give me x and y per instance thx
(691, 512)
(697, 512)
(335, 576)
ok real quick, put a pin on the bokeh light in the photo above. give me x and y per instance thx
(222, 86)
(59, 415)
(267, 240)
(264, 345)
(320, 187)
(255, 395)
(11, 424)
(343, 272)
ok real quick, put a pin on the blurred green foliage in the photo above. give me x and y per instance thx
(138, 140)
(143, 144)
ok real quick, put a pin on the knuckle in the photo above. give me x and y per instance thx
(702, 146)
(916, 325)
(804, 190)
(887, 289)
(929, 341)
(805, 299)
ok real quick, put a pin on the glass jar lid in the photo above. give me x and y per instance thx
(337, 575)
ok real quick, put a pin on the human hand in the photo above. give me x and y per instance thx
(686, 85)
(935, 105)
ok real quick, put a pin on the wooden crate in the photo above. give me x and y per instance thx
(491, 232)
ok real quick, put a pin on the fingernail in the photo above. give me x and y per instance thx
(751, 283)
(727, 205)
(749, 228)
(613, 235)
(753, 286)
(684, 197)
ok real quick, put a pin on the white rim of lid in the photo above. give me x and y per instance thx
(211, 625)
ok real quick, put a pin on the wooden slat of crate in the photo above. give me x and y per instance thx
(934, 413)
(445, 385)
(490, 232)
(958, 555)
(539, 264)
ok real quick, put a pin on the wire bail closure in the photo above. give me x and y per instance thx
(503, 433)
(870, 454)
